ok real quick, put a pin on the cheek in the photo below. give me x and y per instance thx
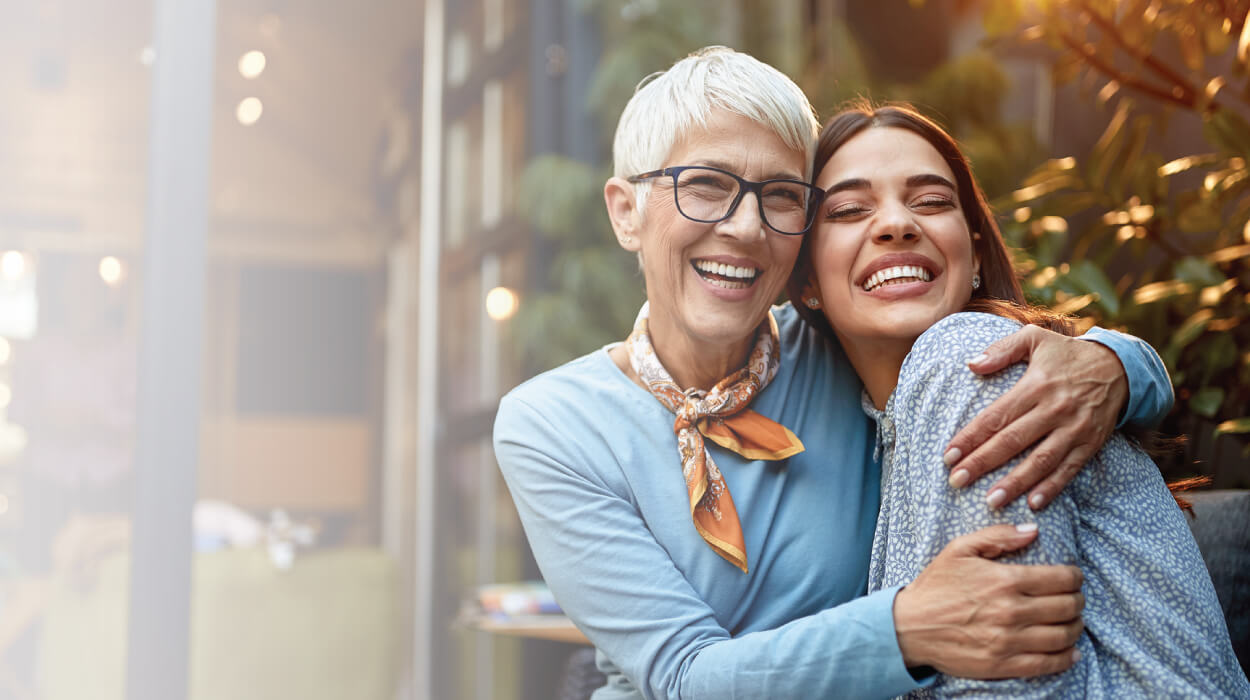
(785, 251)
(831, 260)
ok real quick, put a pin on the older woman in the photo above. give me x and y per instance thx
(713, 550)
(904, 241)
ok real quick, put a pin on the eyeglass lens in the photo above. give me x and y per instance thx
(704, 194)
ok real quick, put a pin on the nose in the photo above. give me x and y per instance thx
(745, 222)
(895, 224)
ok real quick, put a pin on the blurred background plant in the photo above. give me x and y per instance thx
(1148, 229)
(1124, 193)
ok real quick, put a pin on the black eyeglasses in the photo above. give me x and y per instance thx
(709, 195)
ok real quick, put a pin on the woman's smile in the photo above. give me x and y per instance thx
(724, 273)
(898, 276)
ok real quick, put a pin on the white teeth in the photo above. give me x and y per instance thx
(745, 274)
(897, 272)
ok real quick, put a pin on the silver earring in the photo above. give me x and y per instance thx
(976, 282)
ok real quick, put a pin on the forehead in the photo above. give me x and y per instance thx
(741, 143)
(884, 153)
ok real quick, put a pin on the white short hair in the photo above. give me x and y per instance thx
(666, 105)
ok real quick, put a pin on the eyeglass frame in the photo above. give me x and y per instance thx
(744, 186)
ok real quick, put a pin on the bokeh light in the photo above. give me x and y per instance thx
(111, 271)
(501, 303)
(12, 265)
(252, 64)
(249, 110)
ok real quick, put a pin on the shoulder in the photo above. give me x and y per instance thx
(961, 333)
(936, 368)
(582, 418)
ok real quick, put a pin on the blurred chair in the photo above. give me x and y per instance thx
(581, 676)
(1222, 529)
(326, 629)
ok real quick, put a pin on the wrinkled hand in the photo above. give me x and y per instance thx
(1069, 399)
(968, 616)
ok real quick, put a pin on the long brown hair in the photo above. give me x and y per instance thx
(1000, 292)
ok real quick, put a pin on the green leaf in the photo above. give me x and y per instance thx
(1224, 255)
(1125, 162)
(1197, 215)
(1228, 130)
(1219, 355)
(1206, 402)
(1090, 279)
(1191, 328)
(1236, 425)
(1104, 153)
(1198, 272)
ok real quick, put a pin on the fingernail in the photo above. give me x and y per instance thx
(952, 455)
(1036, 501)
(958, 478)
(996, 498)
(1023, 528)
(1076, 655)
(979, 359)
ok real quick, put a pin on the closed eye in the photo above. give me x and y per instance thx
(846, 211)
(935, 203)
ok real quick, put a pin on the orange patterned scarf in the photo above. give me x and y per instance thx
(721, 415)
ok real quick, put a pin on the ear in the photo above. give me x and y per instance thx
(618, 195)
(976, 256)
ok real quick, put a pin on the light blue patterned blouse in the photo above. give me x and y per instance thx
(1153, 625)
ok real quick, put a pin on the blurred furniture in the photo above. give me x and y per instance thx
(557, 628)
(581, 676)
(326, 629)
(1221, 527)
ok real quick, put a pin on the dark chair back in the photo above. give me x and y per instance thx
(1222, 529)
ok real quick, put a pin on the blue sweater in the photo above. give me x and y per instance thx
(591, 461)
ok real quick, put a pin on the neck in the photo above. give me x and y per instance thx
(694, 363)
(695, 367)
(877, 363)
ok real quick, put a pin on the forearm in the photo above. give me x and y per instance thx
(1149, 387)
(846, 651)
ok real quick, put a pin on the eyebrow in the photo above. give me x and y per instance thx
(859, 183)
(778, 175)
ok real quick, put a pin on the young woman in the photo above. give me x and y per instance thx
(913, 278)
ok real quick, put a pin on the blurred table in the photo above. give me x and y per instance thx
(551, 627)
